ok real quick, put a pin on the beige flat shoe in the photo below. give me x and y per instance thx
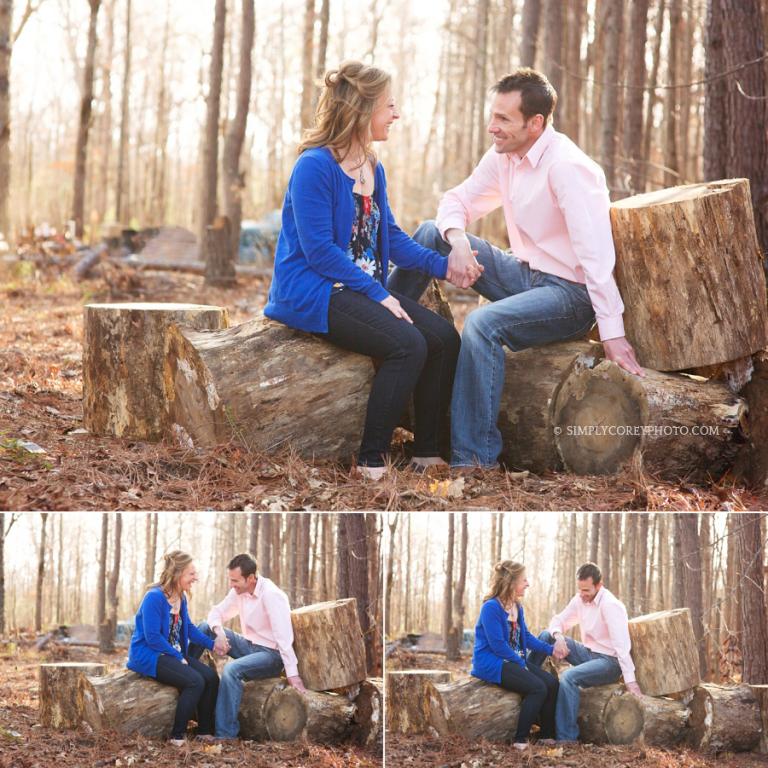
(372, 473)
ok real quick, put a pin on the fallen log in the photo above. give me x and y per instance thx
(760, 692)
(88, 260)
(125, 390)
(688, 264)
(61, 701)
(651, 721)
(369, 712)
(329, 644)
(664, 652)
(604, 416)
(591, 717)
(725, 719)
(413, 704)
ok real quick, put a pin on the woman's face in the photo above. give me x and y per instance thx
(384, 114)
(188, 577)
(520, 586)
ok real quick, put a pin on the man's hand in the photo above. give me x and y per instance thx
(620, 352)
(221, 644)
(463, 268)
(296, 682)
(561, 647)
(633, 688)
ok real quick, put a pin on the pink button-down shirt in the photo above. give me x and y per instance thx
(604, 627)
(555, 203)
(265, 619)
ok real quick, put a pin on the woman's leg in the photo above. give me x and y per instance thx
(190, 685)
(206, 706)
(531, 688)
(547, 714)
(362, 325)
(432, 395)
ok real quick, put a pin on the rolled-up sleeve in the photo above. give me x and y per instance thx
(585, 206)
(615, 617)
(474, 198)
(279, 611)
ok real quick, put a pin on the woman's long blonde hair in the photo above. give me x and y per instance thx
(344, 110)
(174, 564)
(503, 579)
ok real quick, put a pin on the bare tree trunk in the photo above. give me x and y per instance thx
(373, 533)
(40, 573)
(652, 81)
(305, 531)
(322, 45)
(234, 178)
(209, 178)
(733, 582)
(604, 561)
(633, 106)
(108, 628)
(710, 641)
(101, 598)
(480, 88)
(499, 535)
(530, 33)
(671, 107)
(6, 45)
(59, 570)
(407, 596)
(692, 582)
(750, 549)
(641, 563)
(2, 573)
(449, 637)
(629, 562)
(461, 581)
(594, 536)
(392, 526)
(122, 210)
(265, 545)
(253, 532)
(554, 30)
(612, 24)
(307, 86)
(86, 105)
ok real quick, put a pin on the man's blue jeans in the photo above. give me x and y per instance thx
(587, 670)
(250, 662)
(529, 309)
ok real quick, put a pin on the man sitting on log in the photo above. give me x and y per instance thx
(602, 658)
(263, 650)
(558, 274)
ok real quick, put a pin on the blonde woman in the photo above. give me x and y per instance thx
(331, 263)
(502, 641)
(160, 643)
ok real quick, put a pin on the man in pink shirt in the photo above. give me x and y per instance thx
(603, 656)
(263, 650)
(556, 277)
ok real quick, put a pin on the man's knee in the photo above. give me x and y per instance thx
(428, 235)
(546, 637)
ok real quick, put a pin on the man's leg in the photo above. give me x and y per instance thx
(535, 317)
(261, 662)
(195, 651)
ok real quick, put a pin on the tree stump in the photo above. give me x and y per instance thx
(325, 718)
(752, 463)
(220, 257)
(369, 712)
(128, 703)
(682, 428)
(125, 390)
(591, 718)
(329, 644)
(413, 704)
(652, 721)
(664, 652)
(61, 701)
(760, 692)
(531, 381)
(478, 709)
(690, 272)
(725, 719)
(253, 726)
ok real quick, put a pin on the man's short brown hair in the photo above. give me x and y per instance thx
(245, 562)
(537, 96)
(589, 571)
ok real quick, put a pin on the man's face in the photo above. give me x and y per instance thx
(240, 583)
(588, 590)
(510, 130)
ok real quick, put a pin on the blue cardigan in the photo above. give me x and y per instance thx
(311, 253)
(492, 646)
(150, 636)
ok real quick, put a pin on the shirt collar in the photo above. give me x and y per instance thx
(535, 153)
(599, 596)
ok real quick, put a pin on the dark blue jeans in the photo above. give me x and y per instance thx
(418, 359)
(198, 687)
(539, 692)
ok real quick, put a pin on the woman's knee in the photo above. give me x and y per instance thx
(412, 346)
(194, 681)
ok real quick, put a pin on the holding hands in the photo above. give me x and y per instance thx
(561, 647)
(463, 267)
(221, 644)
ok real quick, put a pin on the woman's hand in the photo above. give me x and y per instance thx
(393, 305)
(184, 661)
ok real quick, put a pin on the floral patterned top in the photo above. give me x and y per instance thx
(365, 229)
(174, 635)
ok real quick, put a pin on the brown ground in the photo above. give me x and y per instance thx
(26, 744)
(40, 401)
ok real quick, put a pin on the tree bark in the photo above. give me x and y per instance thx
(61, 700)
(122, 196)
(458, 594)
(724, 719)
(101, 585)
(220, 257)
(107, 639)
(6, 46)
(449, 635)
(355, 553)
(307, 86)
(413, 704)
(633, 103)
(671, 101)
(40, 573)
(693, 584)
(86, 106)
(554, 32)
(369, 713)
(530, 33)
(752, 463)
(612, 24)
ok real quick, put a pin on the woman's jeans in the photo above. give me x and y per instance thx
(529, 309)
(588, 669)
(249, 662)
(539, 691)
(418, 359)
(198, 686)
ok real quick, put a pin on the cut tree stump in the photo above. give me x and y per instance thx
(413, 704)
(690, 272)
(253, 726)
(61, 701)
(664, 652)
(477, 709)
(591, 717)
(125, 390)
(760, 692)
(369, 712)
(329, 644)
(651, 721)
(725, 719)
(681, 427)
(127, 702)
(325, 718)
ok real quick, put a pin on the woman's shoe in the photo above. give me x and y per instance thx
(177, 742)
(521, 746)
(372, 473)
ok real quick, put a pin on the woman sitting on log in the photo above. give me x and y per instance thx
(337, 238)
(501, 644)
(159, 647)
